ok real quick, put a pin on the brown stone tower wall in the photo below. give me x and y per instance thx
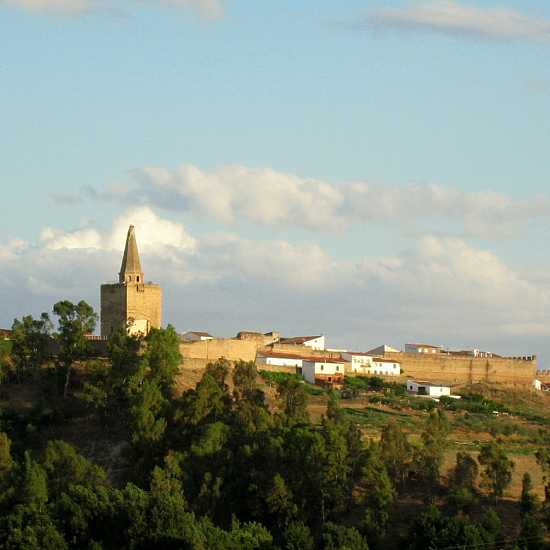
(144, 302)
(113, 308)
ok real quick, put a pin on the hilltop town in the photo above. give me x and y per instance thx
(136, 304)
(331, 448)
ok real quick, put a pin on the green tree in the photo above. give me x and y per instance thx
(333, 407)
(30, 340)
(528, 500)
(75, 322)
(497, 468)
(163, 357)
(6, 461)
(64, 467)
(376, 494)
(293, 401)
(462, 482)
(297, 536)
(434, 443)
(396, 452)
(339, 537)
(532, 533)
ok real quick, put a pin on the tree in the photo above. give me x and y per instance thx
(462, 482)
(528, 501)
(6, 462)
(531, 536)
(333, 407)
(434, 442)
(376, 494)
(163, 357)
(64, 467)
(497, 472)
(297, 536)
(339, 537)
(75, 322)
(30, 340)
(293, 399)
(395, 451)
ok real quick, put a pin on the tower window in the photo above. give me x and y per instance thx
(138, 278)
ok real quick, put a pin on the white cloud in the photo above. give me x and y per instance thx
(452, 17)
(440, 289)
(267, 197)
(211, 9)
(154, 233)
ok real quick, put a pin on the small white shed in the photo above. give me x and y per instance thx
(429, 389)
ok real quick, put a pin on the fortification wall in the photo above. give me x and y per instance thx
(466, 370)
(301, 350)
(210, 350)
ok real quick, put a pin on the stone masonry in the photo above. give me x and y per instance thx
(131, 303)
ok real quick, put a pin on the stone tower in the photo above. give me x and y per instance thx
(131, 302)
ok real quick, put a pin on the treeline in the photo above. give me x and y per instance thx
(217, 468)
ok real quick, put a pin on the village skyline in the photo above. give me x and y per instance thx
(316, 168)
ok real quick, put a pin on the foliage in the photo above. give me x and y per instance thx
(497, 468)
(462, 482)
(30, 339)
(75, 322)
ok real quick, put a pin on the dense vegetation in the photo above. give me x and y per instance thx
(217, 467)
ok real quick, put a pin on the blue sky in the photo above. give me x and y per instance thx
(440, 108)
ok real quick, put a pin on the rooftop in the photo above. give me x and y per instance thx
(299, 339)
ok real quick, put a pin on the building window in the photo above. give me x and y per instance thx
(322, 367)
(138, 278)
(337, 368)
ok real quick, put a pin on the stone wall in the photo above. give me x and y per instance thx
(306, 351)
(120, 302)
(210, 350)
(466, 370)
(144, 301)
(113, 308)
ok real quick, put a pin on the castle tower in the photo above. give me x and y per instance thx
(131, 303)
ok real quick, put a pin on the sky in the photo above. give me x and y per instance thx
(378, 172)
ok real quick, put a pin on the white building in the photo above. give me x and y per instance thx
(279, 360)
(366, 364)
(195, 336)
(359, 361)
(422, 348)
(537, 385)
(385, 367)
(323, 371)
(313, 342)
(430, 389)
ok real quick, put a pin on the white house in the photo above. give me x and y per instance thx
(385, 367)
(195, 336)
(313, 342)
(430, 389)
(279, 359)
(359, 361)
(365, 363)
(422, 348)
(323, 371)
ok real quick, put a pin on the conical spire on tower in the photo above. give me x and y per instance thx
(130, 270)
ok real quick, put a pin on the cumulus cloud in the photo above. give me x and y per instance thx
(440, 289)
(267, 197)
(154, 233)
(456, 18)
(211, 9)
